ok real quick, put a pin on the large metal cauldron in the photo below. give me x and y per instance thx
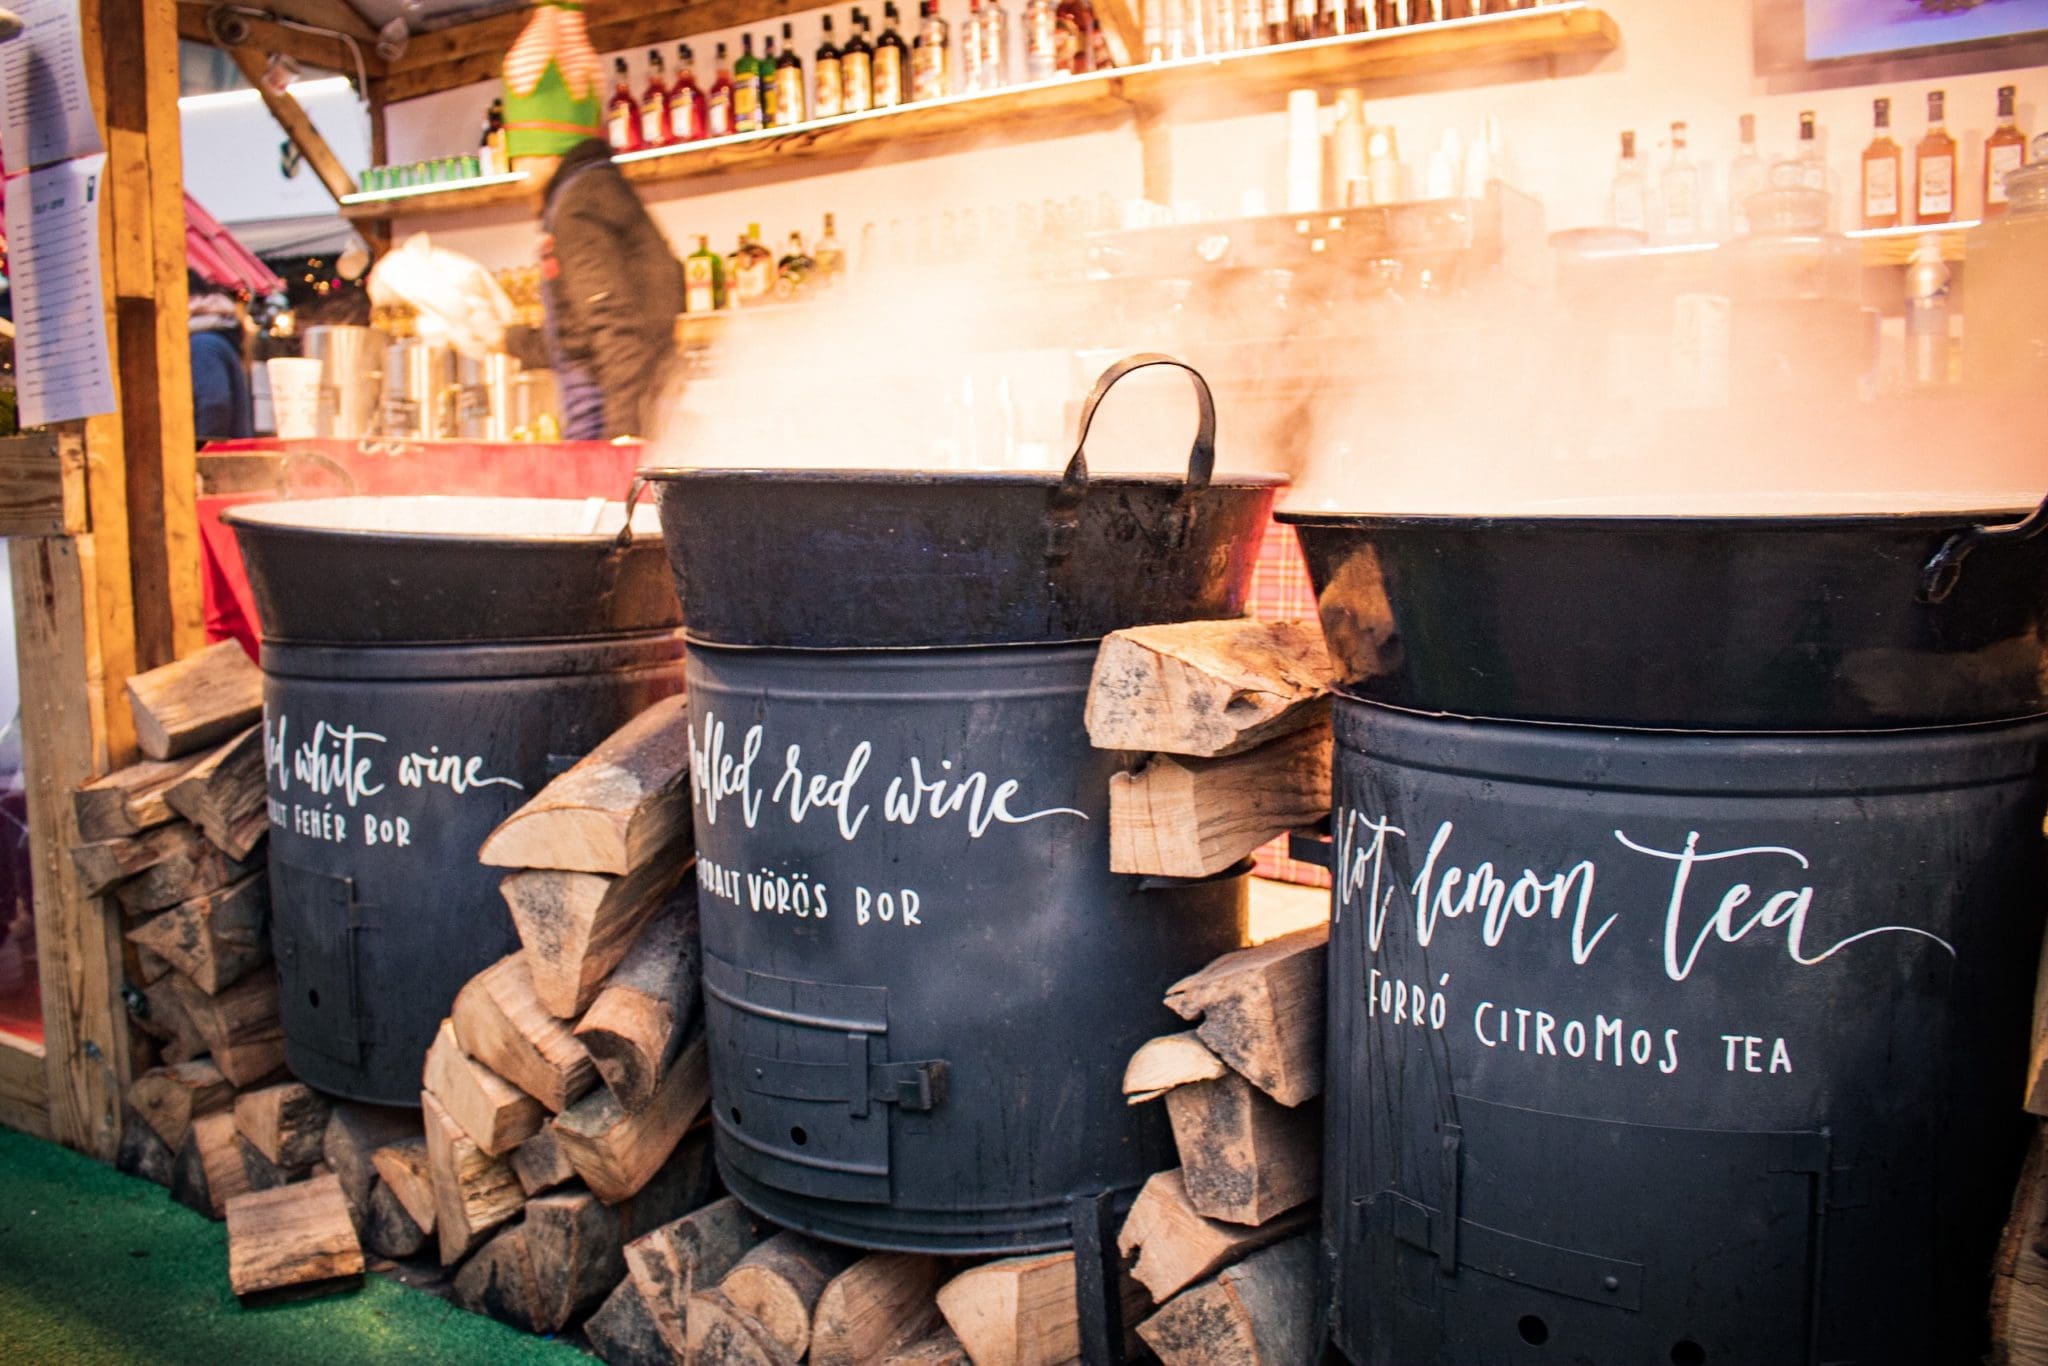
(922, 981)
(429, 663)
(1687, 1047)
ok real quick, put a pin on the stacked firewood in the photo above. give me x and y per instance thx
(2019, 1284)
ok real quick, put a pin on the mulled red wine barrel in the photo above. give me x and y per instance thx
(922, 981)
(429, 663)
(1668, 1046)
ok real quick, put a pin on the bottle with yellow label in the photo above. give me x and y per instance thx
(828, 98)
(789, 84)
(892, 62)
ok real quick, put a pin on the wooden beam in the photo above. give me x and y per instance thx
(42, 484)
(291, 116)
(323, 51)
(24, 1090)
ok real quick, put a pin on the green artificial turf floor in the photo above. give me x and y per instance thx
(97, 1268)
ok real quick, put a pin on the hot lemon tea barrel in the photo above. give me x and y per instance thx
(1702, 1044)
(922, 982)
(429, 663)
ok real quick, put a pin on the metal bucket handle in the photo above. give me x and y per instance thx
(1073, 485)
(1945, 570)
(293, 459)
(634, 489)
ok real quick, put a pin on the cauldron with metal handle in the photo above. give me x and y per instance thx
(922, 980)
(1778, 623)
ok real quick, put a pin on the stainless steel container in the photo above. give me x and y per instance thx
(419, 380)
(351, 378)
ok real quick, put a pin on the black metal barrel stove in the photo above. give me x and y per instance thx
(922, 981)
(1689, 891)
(429, 663)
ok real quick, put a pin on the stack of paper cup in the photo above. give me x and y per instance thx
(295, 395)
(1304, 152)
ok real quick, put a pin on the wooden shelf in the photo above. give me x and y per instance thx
(1236, 81)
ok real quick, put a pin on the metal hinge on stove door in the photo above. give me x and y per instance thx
(905, 1085)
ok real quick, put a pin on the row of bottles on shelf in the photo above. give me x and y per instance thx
(1174, 29)
(1676, 207)
(775, 90)
(752, 275)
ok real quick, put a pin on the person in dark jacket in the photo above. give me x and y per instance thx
(221, 406)
(610, 287)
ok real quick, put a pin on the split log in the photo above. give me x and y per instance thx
(103, 863)
(170, 1098)
(941, 1348)
(574, 1243)
(195, 701)
(492, 1111)
(1261, 1011)
(616, 1151)
(720, 1335)
(166, 1018)
(1178, 817)
(143, 1151)
(637, 1024)
(388, 1228)
(500, 1281)
(263, 1174)
(622, 1331)
(778, 1283)
(673, 1262)
(1168, 1061)
(354, 1134)
(402, 1169)
(2019, 1271)
(683, 1183)
(1207, 688)
(2035, 1101)
(1244, 1157)
(501, 1023)
(292, 1242)
(881, 1303)
(287, 1123)
(540, 1164)
(1260, 1312)
(128, 801)
(239, 1024)
(615, 810)
(209, 1170)
(226, 795)
(1020, 1311)
(193, 871)
(217, 938)
(473, 1191)
(145, 968)
(1176, 1246)
(576, 927)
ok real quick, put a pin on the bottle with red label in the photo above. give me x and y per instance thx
(718, 102)
(654, 130)
(622, 112)
(685, 99)
(1074, 37)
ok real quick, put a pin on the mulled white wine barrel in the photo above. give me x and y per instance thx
(922, 981)
(429, 663)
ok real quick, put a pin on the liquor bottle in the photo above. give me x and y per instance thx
(1934, 168)
(491, 157)
(1273, 22)
(703, 278)
(891, 63)
(856, 68)
(2005, 150)
(718, 102)
(1880, 179)
(1301, 20)
(828, 98)
(765, 64)
(746, 88)
(750, 270)
(1746, 175)
(795, 268)
(1074, 42)
(685, 99)
(995, 45)
(789, 83)
(1811, 160)
(1389, 13)
(1041, 39)
(829, 256)
(931, 57)
(622, 113)
(973, 76)
(654, 103)
(1678, 191)
(1627, 208)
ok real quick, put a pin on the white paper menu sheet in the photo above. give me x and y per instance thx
(45, 108)
(60, 319)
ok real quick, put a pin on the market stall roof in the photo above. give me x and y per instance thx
(217, 258)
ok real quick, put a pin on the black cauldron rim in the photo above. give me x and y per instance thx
(899, 478)
(254, 515)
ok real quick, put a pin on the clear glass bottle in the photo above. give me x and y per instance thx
(1628, 194)
(1678, 191)
(2005, 151)
(1879, 180)
(1041, 39)
(995, 45)
(1934, 168)
(1812, 161)
(973, 76)
(829, 256)
(931, 59)
(827, 97)
(1746, 175)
